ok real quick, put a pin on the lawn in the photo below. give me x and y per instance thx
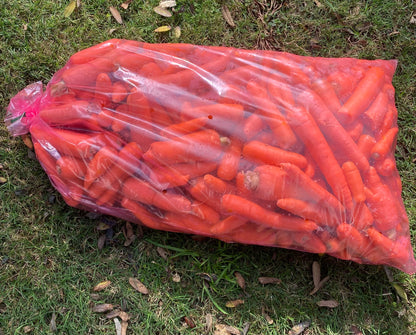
(52, 256)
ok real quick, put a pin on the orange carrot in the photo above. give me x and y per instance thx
(326, 91)
(99, 164)
(227, 225)
(355, 183)
(91, 53)
(228, 166)
(103, 89)
(105, 118)
(218, 185)
(64, 114)
(385, 144)
(252, 126)
(199, 190)
(183, 128)
(234, 204)
(47, 161)
(356, 244)
(365, 145)
(365, 92)
(362, 217)
(389, 121)
(119, 92)
(187, 223)
(308, 242)
(168, 176)
(193, 170)
(385, 167)
(265, 154)
(204, 212)
(355, 130)
(374, 115)
(69, 168)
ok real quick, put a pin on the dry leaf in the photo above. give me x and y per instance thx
(355, 330)
(317, 3)
(118, 326)
(316, 273)
(413, 18)
(162, 29)
(177, 32)
(269, 280)
(24, 27)
(70, 8)
(126, 4)
(27, 329)
(321, 283)
(113, 314)
(78, 3)
(176, 278)
(128, 234)
(103, 226)
(101, 242)
(167, 3)
(189, 322)
(101, 286)
(400, 291)
(234, 303)
(138, 285)
(246, 328)
(162, 11)
(227, 16)
(162, 253)
(328, 303)
(112, 30)
(299, 328)
(240, 280)
(221, 329)
(266, 316)
(3, 180)
(52, 324)
(95, 296)
(124, 325)
(124, 316)
(102, 308)
(116, 14)
(208, 323)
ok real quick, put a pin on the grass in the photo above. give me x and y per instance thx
(49, 259)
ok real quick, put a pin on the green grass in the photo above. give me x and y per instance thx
(49, 260)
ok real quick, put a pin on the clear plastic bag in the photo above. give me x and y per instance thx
(256, 147)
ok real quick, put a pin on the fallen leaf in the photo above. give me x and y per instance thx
(128, 234)
(319, 286)
(101, 241)
(113, 314)
(167, 3)
(138, 285)
(3, 180)
(400, 291)
(70, 8)
(162, 11)
(162, 29)
(1, 166)
(102, 308)
(266, 316)
(177, 32)
(124, 325)
(227, 16)
(116, 14)
(246, 328)
(317, 3)
(176, 278)
(328, 303)
(269, 280)
(413, 18)
(189, 322)
(234, 303)
(103, 226)
(78, 3)
(221, 329)
(355, 330)
(208, 323)
(299, 328)
(124, 316)
(95, 296)
(316, 273)
(52, 323)
(162, 253)
(112, 30)
(240, 280)
(27, 329)
(126, 4)
(118, 326)
(102, 286)
(24, 27)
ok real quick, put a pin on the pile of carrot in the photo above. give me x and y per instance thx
(256, 147)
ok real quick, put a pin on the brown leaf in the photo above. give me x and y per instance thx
(413, 18)
(328, 303)
(102, 308)
(112, 30)
(124, 316)
(25, 28)
(128, 234)
(208, 323)
(167, 3)
(317, 3)
(221, 329)
(27, 329)
(70, 8)
(95, 296)
(176, 278)
(162, 29)
(102, 286)
(101, 241)
(52, 323)
(162, 253)
(116, 14)
(240, 280)
(355, 330)
(321, 283)
(246, 328)
(227, 16)
(269, 280)
(113, 314)
(177, 32)
(138, 285)
(299, 328)
(3, 180)
(124, 325)
(234, 303)
(118, 326)
(103, 226)
(78, 3)
(266, 316)
(126, 4)
(316, 273)
(162, 11)
(400, 291)
(189, 322)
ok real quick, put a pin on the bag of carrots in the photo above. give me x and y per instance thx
(255, 147)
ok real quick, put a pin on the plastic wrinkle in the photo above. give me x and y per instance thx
(248, 146)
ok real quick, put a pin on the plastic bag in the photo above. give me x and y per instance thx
(256, 147)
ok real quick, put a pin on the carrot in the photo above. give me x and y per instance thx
(261, 153)
(356, 244)
(138, 105)
(202, 145)
(389, 121)
(204, 212)
(141, 191)
(47, 161)
(385, 167)
(343, 83)
(309, 211)
(218, 185)
(365, 145)
(374, 115)
(386, 144)
(99, 164)
(251, 233)
(308, 242)
(73, 194)
(365, 92)
(199, 190)
(91, 53)
(183, 128)
(167, 177)
(105, 118)
(187, 223)
(252, 126)
(133, 62)
(228, 166)
(159, 115)
(64, 114)
(326, 91)
(227, 225)
(362, 217)
(103, 89)
(234, 204)
(69, 168)
(194, 169)
(355, 130)
(119, 92)
(355, 183)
